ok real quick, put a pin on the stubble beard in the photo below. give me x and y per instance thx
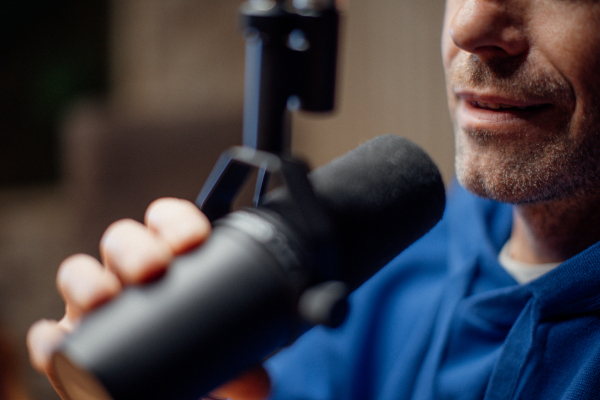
(534, 173)
(529, 168)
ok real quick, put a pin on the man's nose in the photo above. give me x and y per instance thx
(490, 28)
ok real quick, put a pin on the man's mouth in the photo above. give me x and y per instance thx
(497, 106)
(496, 102)
(499, 113)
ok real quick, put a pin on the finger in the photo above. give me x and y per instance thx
(179, 222)
(84, 284)
(134, 253)
(252, 385)
(43, 338)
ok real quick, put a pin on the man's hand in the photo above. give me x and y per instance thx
(132, 253)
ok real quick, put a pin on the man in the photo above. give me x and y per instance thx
(498, 301)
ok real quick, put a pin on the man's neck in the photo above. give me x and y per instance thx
(554, 231)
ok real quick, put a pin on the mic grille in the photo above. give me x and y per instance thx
(381, 197)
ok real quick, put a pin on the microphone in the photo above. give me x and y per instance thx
(261, 279)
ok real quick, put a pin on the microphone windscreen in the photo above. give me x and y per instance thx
(381, 197)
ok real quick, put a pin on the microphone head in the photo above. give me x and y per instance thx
(382, 196)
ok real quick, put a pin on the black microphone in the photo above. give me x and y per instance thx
(258, 282)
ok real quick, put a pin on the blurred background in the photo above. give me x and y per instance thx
(106, 105)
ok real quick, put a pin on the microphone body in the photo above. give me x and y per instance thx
(243, 294)
(179, 337)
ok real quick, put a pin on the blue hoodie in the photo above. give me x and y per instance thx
(445, 321)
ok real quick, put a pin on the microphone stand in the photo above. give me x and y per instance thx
(291, 63)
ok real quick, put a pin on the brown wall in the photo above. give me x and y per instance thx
(186, 57)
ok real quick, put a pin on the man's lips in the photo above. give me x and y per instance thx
(495, 112)
(504, 107)
(496, 102)
(494, 106)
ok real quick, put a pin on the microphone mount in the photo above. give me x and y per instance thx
(291, 62)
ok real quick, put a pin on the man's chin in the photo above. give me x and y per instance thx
(524, 189)
(505, 190)
(514, 172)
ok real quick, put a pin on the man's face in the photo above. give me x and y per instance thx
(523, 82)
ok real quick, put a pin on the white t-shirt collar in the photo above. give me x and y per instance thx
(522, 272)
